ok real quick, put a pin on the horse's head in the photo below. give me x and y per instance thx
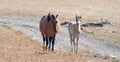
(54, 22)
(53, 19)
(78, 18)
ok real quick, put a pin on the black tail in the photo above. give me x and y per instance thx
(64, 23)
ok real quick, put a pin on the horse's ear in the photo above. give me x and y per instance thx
(56, 16)
(48, 17)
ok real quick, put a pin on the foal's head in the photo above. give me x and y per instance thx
(78, 19)
(53, 20)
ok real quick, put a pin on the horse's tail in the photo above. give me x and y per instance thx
(64, 23)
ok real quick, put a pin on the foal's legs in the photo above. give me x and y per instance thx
(77, 44)
(74, 45)
(71, 43)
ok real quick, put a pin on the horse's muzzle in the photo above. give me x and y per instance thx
(55, 31)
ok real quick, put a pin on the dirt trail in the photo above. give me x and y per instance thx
(29, 27)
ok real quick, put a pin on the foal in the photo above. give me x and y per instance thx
(74, 31)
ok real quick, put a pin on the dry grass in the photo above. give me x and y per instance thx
(16, 47)
(66, 9)
(108, 33)
(91, 10)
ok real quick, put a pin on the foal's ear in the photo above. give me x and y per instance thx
(56, 16)
(48, 17)
(81, 16)
(76, 16)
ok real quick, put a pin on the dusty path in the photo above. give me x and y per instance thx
(29, 27)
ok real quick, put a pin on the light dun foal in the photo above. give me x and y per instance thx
(74, 32)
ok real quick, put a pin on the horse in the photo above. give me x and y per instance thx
(74, 32)
(49, 26)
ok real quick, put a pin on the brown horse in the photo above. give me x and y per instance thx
(49, 26)
(74, 32)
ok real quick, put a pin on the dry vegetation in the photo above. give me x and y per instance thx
(87, 8)
(108, 33)
(16, 47)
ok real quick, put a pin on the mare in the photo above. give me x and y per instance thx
(49, 27)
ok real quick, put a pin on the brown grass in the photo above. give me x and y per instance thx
(66, 9)
(105, 33)
(16, 47)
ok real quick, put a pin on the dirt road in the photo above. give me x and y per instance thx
(29, 26)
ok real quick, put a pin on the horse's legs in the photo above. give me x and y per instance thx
(43, 41)
(50, 40)
(53, 42)
(47, 38)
